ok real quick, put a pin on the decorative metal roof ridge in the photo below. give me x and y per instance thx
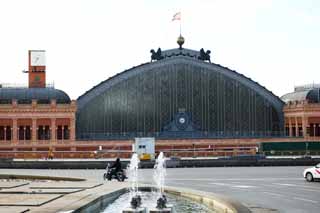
(159, 62)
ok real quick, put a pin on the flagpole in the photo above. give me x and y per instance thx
(177, 16)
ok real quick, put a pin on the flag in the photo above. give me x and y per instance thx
(176, 16)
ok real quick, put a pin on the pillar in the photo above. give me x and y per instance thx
(62, 130)
(297, 127)
(72, 129)
(34, 130)
(15, 130)
(5, 133)
(304, 127)
(24, 133)
(290, 127)
(53, 129)
(314, 130)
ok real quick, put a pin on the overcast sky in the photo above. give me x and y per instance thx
(275, 43)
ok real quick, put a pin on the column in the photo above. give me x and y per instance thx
(53, 129)
(304, 127)
(72, 129)
(297, 127)
(24, 133)
(62, 130)
(15, 130)
(5, 133)
(314, 130)
(290, 127)
(34, 130)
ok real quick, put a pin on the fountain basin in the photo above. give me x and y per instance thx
(148, 201)
(137, 210)
(214, 202)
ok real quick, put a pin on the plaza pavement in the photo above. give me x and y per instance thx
(264, 189)
(19, 196)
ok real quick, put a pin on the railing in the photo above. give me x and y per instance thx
(17, 85)
(306, 87)
(199, 152)
(181, 134)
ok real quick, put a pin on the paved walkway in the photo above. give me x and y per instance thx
(51, 196)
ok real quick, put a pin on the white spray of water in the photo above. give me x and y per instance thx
(160, 172)
(132, 171)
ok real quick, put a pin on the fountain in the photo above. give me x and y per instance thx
(159, 178)
(132, 171)
(146, 200)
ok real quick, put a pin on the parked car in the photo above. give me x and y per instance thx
(313, 173)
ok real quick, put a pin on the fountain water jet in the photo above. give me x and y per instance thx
(159, 178)
(133, 174)
(160, 172)
(135, 198)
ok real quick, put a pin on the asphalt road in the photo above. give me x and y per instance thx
(264, 189)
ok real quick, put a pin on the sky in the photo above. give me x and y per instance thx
(275, 43)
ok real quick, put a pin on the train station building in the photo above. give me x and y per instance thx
(180, 98)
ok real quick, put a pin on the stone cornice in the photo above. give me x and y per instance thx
(302, 108)
(37, 109)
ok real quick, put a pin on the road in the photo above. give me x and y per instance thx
(273, 189)
(270, 188)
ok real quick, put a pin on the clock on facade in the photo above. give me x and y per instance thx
(37, 78)
(38, 58)
(182, 120)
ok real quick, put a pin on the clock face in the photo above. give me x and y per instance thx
(182, 120)
(38, 58)
(37, 78)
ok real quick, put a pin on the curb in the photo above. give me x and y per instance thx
(213, 201)
(36, 177)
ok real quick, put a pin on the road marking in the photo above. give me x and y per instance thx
(274, 194)
(220, 184)
(233, 179)
(243, 186)
(299, 187)
(232, 185)
(284, 184)
(307, 200)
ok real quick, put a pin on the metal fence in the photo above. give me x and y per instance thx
(178, 135)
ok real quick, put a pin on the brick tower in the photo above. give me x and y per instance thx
(37, 69)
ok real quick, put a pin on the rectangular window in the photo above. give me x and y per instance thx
(8, 133)
(43, 132)
(308, 131)
(1, 133)
(59, 133)
(47, 133)
(21, 133)
(287, 131)
(28, 133)
(300, 131)
(40, 132)
(66, 134)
